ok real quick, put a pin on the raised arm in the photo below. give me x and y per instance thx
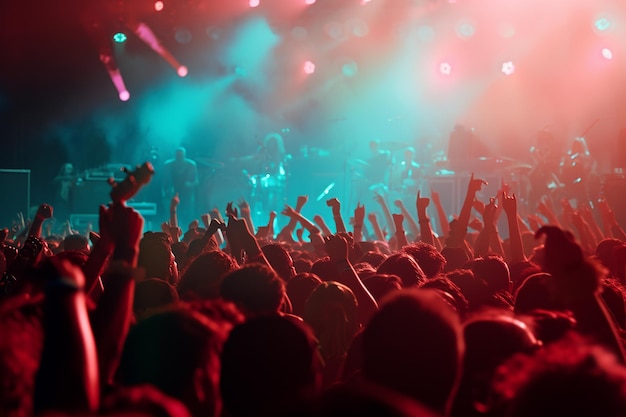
(286, 234)
(575, 284)
(67, 378)
(441, 214)
(306, 223)
(509, 205)
(413, 228)
(335, 204)
(44, 212)
(377, 230)
(359, 218)
(400, 234)
(319, 221)
(111, 320)
(383, 206)
(426, 233)
(244, 210)
(337, 248)
(457, 233)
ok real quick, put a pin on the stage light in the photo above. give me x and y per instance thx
(364, 2)
(309, 2)
(309, 67)
(254, 3)
(124, 95)
(120, 37)
(508, 68)
(426, 34)
(607, 53)
(146, 34)
(465, 29)
(602, 24)
(506, 29)
(350, 68)
(158, 6)
(182, 71)
(445, 68)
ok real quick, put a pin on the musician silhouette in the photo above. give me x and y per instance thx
(181, 177)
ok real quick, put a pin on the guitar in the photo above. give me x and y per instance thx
(128, 188)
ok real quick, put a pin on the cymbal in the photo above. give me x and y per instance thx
(394, 146)
(208, 162)
(358, 162)
(520, 167)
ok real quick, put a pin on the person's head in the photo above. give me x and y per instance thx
(605, 253)
(268, 364)
(67, 169)
(494, 271)
(405, 267)
(374, 258)
(413, 345)
(273, 144)
(280, 260)
(571, 377)
(181, 153)
(332, 312)
(427, 256)
(177, 351)
(451, 293)
(204, 275)
(374, 146)
(299, 288)
(152, 294)
(380, 285)
(255, 289)
(535, 294)
(490, 338)
(473, 288)
(409, 154)
(77, 243)
(156, 257)
(455, 258)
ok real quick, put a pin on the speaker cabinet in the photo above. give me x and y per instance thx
(89, 194)
(15, 185)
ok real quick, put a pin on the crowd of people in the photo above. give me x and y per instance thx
(371, 316)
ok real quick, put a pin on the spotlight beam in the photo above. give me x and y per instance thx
(146, 34)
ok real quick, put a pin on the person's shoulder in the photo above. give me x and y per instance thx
(190, 162)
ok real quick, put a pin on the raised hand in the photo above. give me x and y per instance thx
(334, 203)
(475, 184)
(359, 214)
(337, 248)
(244, 207)
(398, 219)
(123, 226)
(174, 202)
(479, 206)
(44, 211)
(174, 232)
(302, 200)
(398, 203)
(379, 199)
(509, 205)
(289, 211)
(476, 224)
(435, 196)
(421, 203)
(231, 211)
(489, 215)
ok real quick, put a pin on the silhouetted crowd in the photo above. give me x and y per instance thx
(377, 315)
